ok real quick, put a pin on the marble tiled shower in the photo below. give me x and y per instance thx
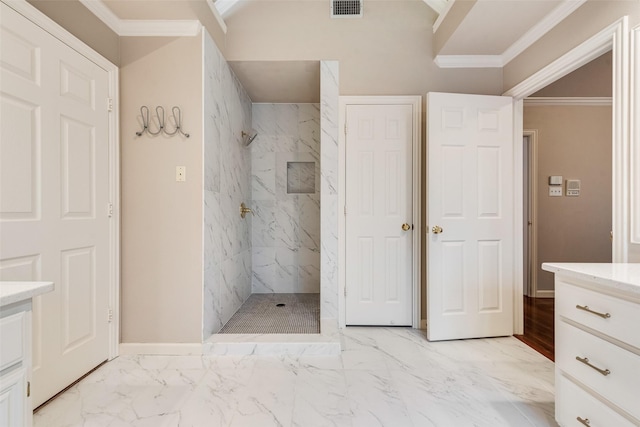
(285, 191)
(279, 248)
(285, 231)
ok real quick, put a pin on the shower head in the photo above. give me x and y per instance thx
(248, 138)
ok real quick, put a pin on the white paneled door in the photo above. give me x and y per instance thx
(379, 233)
(54, 180)
(470, 216)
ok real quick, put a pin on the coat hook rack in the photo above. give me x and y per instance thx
(162, 128)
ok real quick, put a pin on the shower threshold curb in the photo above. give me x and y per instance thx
(326, 343)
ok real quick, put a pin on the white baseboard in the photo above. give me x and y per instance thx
(545, 294)
(164, 349)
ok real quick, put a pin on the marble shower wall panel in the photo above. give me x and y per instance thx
(329, 99)
(286, 227)
(227, 183)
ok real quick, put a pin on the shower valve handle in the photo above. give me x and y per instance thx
(244, 210)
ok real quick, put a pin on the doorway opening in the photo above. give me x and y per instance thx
(571, 143)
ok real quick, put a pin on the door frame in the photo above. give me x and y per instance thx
(47, 24)
(613, 38)
(533, 209)
(416, 103)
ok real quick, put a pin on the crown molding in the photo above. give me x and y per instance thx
(538, 101)
(142, 28)
(572, 60)
(442, 15)
(99, 9)
(438, 5)
(469, 61)
(224, 6)
(556, 16)
(217, 15)
(159, 28)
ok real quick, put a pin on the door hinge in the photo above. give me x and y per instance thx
(109, 104)
(345, 210)
(110, 210)
(345, 291)
(110, 316)
(345, 128)
(28, 388)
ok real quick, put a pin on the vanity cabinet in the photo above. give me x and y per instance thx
(597, 342)
(15, 364)
(15, 350)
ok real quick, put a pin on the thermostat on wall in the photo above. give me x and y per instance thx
(555, 180)
(573, 187)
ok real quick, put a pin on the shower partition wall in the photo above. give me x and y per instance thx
(285, 189)
(227, 183)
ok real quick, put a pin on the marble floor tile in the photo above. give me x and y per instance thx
(383, 377)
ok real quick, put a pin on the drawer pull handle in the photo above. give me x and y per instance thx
(585, 360)
(584, 421)
(586, 308)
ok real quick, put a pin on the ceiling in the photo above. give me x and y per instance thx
(467, 34)
(490, 33)
(492, 26)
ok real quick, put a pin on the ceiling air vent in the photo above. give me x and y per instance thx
(346, 8)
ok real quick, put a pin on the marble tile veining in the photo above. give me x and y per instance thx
(285, 192)
(329, 118)
(384, 377)
(227, 183)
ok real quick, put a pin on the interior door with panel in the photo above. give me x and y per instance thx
(54, 179)
(470, 216)
(379, 232)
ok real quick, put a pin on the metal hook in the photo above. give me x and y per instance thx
(162, 128)
(144, 112)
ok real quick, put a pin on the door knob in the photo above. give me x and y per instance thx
(405, 227)
(436, 229)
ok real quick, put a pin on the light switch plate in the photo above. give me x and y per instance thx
(181, 173)
(555, 191)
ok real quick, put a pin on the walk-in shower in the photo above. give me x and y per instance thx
(285, 225)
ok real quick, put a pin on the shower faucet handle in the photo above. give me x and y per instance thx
(244, 210)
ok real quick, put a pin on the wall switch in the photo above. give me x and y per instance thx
(181, 173)
(555, 191)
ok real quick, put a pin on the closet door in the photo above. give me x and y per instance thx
(54, 180)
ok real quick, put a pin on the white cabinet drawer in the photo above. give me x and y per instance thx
(12, 331)
(573, 402)
(621, 324)
(620, 385)
(13, 406)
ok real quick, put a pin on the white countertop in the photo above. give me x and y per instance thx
(623, 277)
(11, 292)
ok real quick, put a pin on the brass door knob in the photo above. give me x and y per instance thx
(405, 227)
(436, 229)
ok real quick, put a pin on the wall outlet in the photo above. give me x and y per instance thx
(555, 191)
(181, 173)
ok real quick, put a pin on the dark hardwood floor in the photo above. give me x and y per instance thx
(538, 326)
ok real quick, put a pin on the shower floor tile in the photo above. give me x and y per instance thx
(276, 314)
